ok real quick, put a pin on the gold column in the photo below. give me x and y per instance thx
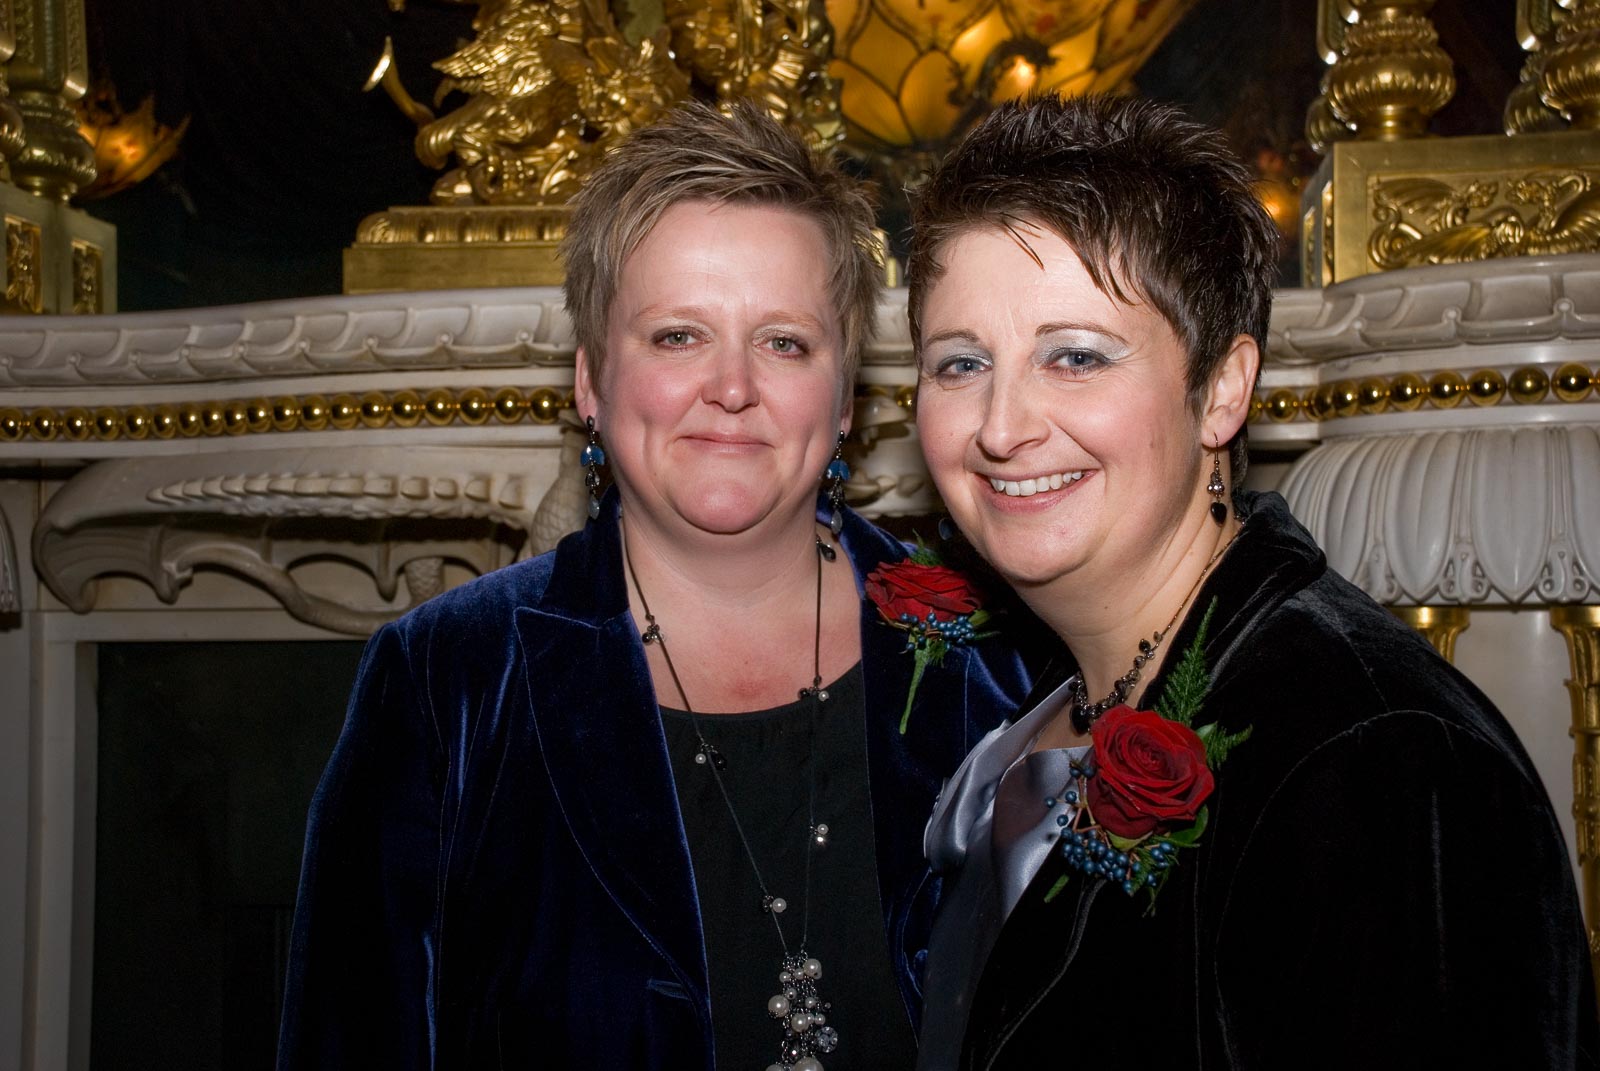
(1439, 625)
(50, 70)
(1526, 112)
(1580, 627)
(1391, 75)
(1323, 128)
(1571, 77)
(11, 128)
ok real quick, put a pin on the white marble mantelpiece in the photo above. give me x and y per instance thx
(127, 534)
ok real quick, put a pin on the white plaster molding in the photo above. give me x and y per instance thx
(1514, 300)
(307, 336)
(10, 578)
(393, 514)
(1491, 516)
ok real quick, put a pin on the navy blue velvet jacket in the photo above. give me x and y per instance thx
(496, 873)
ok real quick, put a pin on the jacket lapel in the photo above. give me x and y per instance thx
(599, 731)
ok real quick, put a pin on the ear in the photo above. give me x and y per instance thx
(1232, 385)
(584, 394)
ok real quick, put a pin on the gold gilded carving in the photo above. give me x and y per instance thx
(1408, 392)
(1526, 111)
(1570, 80)
(46, 73)
(24, 286)
(521, 223)
(88, 270)
(1323, 128)
(1439, 625)
(1419, 220)
(1580, 627)
(551, 86)
(1391, 75)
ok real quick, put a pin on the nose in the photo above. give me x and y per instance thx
(1012, 418)
(731, 380)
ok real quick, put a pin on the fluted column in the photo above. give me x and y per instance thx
(1439, 625)
(1570, 80)
(1391, 75)
(47, 72)
(1526, 111)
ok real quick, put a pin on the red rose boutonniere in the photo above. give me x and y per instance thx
(1142, 796)
(933, 604)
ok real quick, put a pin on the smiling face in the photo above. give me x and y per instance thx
(721, 394)
(1055, 418)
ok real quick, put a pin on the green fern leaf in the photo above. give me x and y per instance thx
(1186, 688)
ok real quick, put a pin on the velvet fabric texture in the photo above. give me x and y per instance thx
(496, 872)
(1382, 884)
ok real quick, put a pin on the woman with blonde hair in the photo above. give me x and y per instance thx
(644, 801)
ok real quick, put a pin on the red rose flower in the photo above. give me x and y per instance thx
(1149, 772)
(908, 588)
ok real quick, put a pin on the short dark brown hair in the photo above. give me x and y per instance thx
(741, 156)
(1152, 202)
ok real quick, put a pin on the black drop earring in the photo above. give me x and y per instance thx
(838, 472)
(593, 457)
(1216, 488)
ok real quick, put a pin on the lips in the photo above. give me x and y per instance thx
(1034, 485)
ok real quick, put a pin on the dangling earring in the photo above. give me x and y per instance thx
(593, 457)
(838, 472)
(1216, 488)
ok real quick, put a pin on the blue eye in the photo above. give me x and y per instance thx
(956, 367)
(784, 344)
(1077, 360)
(675, 339)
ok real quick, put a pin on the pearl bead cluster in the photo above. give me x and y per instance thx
(804, 1016)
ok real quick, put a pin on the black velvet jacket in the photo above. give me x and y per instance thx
(496, 873)
(1382, 884)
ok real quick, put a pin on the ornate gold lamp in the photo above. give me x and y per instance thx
(913, 73)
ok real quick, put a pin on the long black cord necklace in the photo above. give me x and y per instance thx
(798, 1007)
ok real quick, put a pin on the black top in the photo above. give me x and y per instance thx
(1382, 883)
(767, 756)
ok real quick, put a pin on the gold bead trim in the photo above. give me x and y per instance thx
(474, 406)
(1408, 392)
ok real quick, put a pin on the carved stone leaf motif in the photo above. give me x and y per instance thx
(1499, 515)
(392, 514)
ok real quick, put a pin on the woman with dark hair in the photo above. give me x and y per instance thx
(1254, 821)
(578, 817)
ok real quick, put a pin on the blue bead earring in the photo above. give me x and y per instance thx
(593, 457)
(838, 472)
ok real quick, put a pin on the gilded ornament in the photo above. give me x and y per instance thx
(344, 411)
(1282, 405)
(1430, 221)
(1346, 398)
(12, 425)
(24, 252)
(1256, 406)
(1486, 387)
(1580, 627)
(235, 421)
(439, 406)
(212, 419)
(43, 424)
(258, 415)
(313, 412)
(107, 424)
(136, 422)
(474, 406)
(1529, 385)
(1308, 404)
(1407, 392)
(77, 425)
(1446, 389)
(544, 405)
(1439, 625)
(906, 398)
(1391, 75)
(1374, 396)
(1570, 81)
(510, 405)
(406, 408)
(164, 421)
(190, 422)
(1571, 382)
(374, 409)
(285, 413)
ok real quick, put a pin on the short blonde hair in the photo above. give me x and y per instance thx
(744, 156)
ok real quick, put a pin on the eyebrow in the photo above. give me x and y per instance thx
(701, 312)
(957, 334)
(1076, 325)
